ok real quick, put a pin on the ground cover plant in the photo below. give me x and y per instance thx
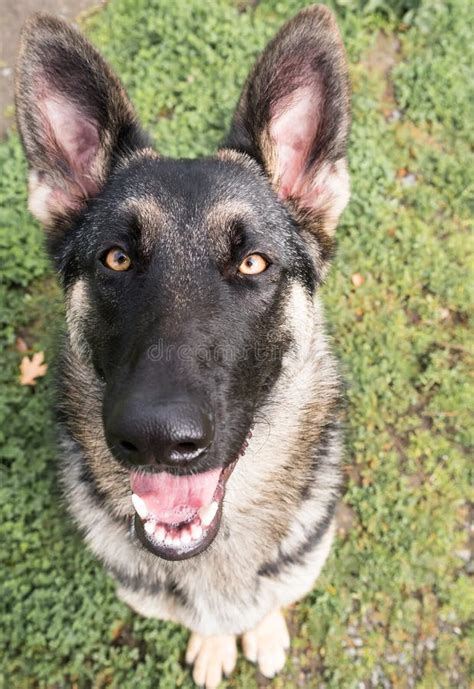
(393, 604)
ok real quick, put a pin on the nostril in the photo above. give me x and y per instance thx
(186, 448)
(186, 451)
(128, 447)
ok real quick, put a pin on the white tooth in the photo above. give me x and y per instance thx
(185, 537)
(208, 513)
(196, 531)
(150, 528)
(139, 505)
(169, 540)
(160, 533)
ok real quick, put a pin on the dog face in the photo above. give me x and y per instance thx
(178, 273)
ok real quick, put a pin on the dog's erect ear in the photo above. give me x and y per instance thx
(293, 116)
(74, 117)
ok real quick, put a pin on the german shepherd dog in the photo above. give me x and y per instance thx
(199, 402)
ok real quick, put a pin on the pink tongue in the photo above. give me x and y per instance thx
(174, 499)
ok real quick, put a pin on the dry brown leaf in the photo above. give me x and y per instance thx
(31, 369)
(357, 280)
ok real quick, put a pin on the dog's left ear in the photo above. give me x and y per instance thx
(294, 114)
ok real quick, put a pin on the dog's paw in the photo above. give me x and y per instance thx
(212, 656)
(267, 644)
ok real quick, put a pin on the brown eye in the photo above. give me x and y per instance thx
(253, 265)
(117, 259)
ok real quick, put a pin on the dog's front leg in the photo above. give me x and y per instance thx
(212, 657)
(267, 644)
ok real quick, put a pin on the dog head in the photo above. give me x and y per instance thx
(177, 273)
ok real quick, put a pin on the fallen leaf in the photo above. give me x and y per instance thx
(31, 369)
(357, 280)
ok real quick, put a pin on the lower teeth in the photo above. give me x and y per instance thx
(175, 536)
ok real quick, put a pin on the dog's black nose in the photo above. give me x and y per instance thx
(166, 433)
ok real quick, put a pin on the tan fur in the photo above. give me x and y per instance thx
(231, 156)
(267, 148)
(220, 217)
(77, 309)
(151, 216)
(222, 214)
(138, 155)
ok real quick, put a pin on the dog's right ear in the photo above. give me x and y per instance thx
(74, 118)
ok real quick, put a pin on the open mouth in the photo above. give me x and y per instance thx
(177, 517)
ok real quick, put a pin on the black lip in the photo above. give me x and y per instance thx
(187, 552)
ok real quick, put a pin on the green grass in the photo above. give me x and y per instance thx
(393, 604)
